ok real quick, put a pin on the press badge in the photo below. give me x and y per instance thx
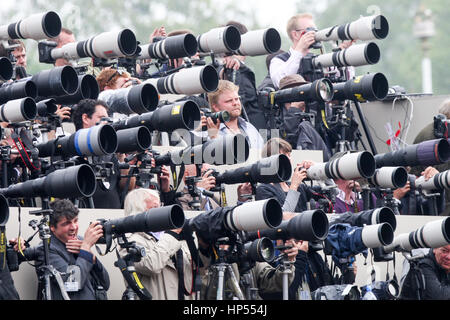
(72, 284)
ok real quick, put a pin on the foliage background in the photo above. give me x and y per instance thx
(401, 51)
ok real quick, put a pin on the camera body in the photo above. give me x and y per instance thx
(317, 44)
(440, 126)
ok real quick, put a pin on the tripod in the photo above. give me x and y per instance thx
(417, 275)
(285, 267)
(341, 123)
(222, 268)
(126, 265)
(389, 201)
(47, 271)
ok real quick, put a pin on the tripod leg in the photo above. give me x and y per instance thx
(235, 284)
(220, 282)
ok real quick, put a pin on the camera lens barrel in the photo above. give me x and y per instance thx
(356, 56)
(311, 225)
(6, 69)
(59, 81)
(183, 45)
(348, 167)
(433, 234)
(253, 216)
(133, 140)
(18, 90)
(427, 153)
(181, 115)
(365, 88)
(136, 99)
(107, 45)
(260, 250)
(46, 107)
(87, 89)
(95, 141)
(72, 182)
(377, 235)
(320, 90)
(195, 80)
(38, 26)
(382, 215)
(227, 149)
(18, 110)
(153, 220)
(220, 40)
(390, 177)
(365, 28)
(274, 169)
(260, 42)
(439, 181)
(168, 118)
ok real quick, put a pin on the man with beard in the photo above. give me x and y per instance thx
(226, 98)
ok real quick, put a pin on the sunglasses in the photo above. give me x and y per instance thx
(117, 73)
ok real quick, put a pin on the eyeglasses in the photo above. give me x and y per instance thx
(117, 73)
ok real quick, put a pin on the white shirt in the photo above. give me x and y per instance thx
(279, 69)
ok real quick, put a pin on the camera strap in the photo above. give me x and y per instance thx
(3, 246)
(179, 264)
(196, 263)
(23, 144)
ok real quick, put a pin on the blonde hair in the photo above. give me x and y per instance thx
(224, 85)
(293, 22)
(135, 200)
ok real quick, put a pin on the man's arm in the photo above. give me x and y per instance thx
(279, 69)
(158, 254)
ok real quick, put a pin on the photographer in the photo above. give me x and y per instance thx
(412, 203)
(434, 269)
(87, 114)
(347, 199)
(165, 251)
(207, 182)
(19, 53)
(235, 70)
(66, 36)
(112, 79)
(288, 63)
(294, 196)
(14, 50)
(226, 98)
(436, 130)
(68, 249)
(298, 131)
(267, 279)
(300, 29)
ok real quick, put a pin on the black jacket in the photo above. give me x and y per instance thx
(266, 191)
(413, 204)
(437, 281)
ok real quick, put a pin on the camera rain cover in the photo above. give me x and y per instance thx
(210, 225)
(345, 241)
